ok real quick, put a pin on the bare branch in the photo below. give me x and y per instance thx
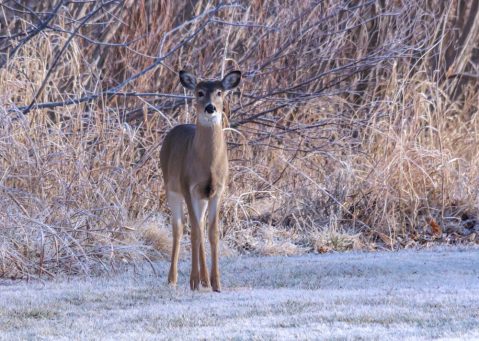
(33, 32)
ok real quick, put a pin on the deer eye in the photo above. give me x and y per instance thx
(201, 93)
(218, 93)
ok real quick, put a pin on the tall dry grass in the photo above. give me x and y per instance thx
(355, 126)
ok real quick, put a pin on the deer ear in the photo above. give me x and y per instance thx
(231, 80)
(187, 80)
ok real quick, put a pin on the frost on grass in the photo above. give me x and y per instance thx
(403, 295)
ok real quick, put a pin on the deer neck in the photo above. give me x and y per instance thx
(209, 143)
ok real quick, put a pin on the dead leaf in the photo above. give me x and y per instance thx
(324, 249)
(436, 229)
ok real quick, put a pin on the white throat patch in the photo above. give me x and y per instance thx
(209, 120)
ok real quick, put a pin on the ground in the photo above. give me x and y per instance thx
(409, 294)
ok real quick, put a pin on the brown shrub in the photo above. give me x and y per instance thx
(362, 111)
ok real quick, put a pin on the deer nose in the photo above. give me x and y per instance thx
(210, 108)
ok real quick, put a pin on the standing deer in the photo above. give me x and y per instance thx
(194, 163)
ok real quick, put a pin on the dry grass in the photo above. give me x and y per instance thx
(351, 127)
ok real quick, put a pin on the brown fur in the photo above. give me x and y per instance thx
(194, 163)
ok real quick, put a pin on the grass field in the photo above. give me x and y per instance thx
(355, 128)
(403, 295)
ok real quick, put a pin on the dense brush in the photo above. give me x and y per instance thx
(356, 126)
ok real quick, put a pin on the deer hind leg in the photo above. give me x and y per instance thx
(197, 210)
(175, 202)
(213, 235)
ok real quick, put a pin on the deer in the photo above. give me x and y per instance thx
(194, 163)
